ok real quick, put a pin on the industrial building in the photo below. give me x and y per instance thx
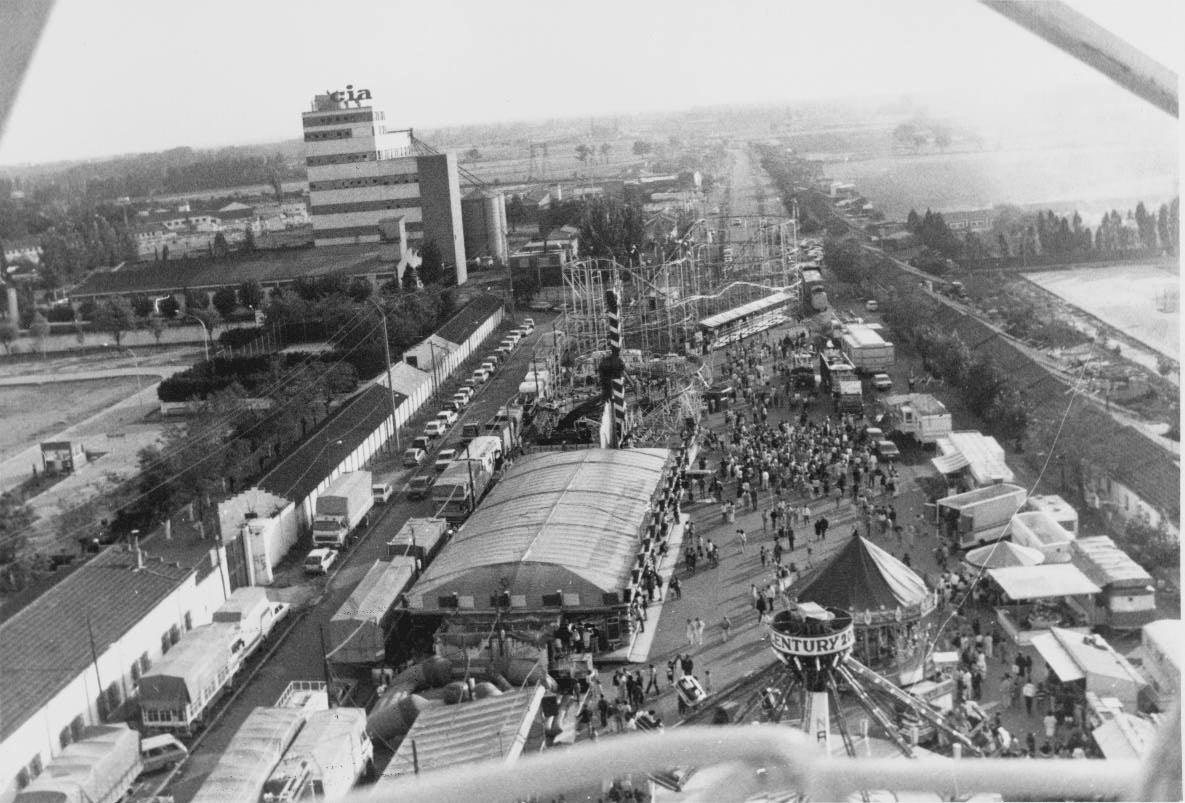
(369, 183)
(483, 216)
(562, 531)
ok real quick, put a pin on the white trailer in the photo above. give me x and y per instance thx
(332, 752)
(867, 350)
(920, 415)
(99, 768)
(341, 509)
(176, 693)
(1041, 531)
(1059, 509)
(358, 630)
(252, 614)
(253, 752)
(979, 516)
(311, 695)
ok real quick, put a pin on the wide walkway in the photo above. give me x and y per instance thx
(711, 594)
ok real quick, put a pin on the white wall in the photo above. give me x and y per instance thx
(40, 733)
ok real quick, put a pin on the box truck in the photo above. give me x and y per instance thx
(98, 768)
(342, 509)
(358, 630)
(253, 752)
(866, 349)
(458, 490)
(332, 752)
(979, 516)
(419, 538)
(920, 415)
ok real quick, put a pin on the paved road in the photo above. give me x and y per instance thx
(299, 657)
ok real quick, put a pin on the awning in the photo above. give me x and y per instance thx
(1125, 737)
(950, 463)
(1044, 581)
(1057, 657)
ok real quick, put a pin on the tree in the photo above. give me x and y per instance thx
(942, 137)
(249, 245)
(844, 258)
(411, 280)
(1162, 228)
(913, 222)
(141, 306)
(8, 334)
(605, 149)
(516, 212)
(39, 330)
(195, 299)
(642, 147)
(164, 253)
(158, 328)
(584, 151)
(168, 307)
(431, 268)
(114, 317)
(220, 249)
(473, 154)
(251, 295)
(225, 301)
(610, 228)
(359, 289)
(525, 287)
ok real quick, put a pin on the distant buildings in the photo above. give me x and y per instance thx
(369, 183)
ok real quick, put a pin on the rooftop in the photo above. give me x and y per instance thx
(47, 644)
(298, 474)
(1106, 564)
(275, 266)
(560, 520)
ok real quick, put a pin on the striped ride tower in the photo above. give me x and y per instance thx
(612, 368)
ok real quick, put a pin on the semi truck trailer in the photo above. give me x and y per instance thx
(342, 509)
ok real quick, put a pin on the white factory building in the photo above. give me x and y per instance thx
(372, 183)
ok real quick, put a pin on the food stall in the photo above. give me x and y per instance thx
(1036, 599)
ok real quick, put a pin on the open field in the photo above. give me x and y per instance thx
(33, 412)
(1128, 296)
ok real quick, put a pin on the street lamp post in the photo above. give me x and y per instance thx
(205, 331)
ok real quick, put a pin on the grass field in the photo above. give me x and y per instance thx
(33, 412)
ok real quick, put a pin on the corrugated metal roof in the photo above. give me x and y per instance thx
(376, 593)
(48, 644)
(761, 304)
(252, 754)
(449, 735)
(572, 512)
(1106, 564)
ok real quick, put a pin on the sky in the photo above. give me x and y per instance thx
(126, 76)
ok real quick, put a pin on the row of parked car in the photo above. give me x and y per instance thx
(417, 453)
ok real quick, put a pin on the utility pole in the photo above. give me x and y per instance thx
(390, 382)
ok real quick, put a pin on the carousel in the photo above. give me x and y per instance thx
(891, 607)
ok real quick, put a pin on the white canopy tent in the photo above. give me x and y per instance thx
(1043, 581)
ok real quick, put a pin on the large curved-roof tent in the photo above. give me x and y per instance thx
(566, 522)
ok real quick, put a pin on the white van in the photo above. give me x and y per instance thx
(160, 752)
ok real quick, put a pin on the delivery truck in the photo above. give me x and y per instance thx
(866, 349)
(98, 768)
(252, 615)
(420, 539)
(458, 490)
(848, 393)
(358, 630)
(920, 415)
(980, 516)
(331, 754)
(342, 509)
(254, 751)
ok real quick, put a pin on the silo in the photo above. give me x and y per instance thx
(495, 216)
(473, 224)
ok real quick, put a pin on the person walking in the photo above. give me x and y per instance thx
(762, 555)
(699, 631)
(741, 539)
(725, 626)
(652, 683)
(1007, 689)
(689, 631)
(1050, 723)
(1029, 692)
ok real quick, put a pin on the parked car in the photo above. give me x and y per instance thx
(460, 400)
(414, 456)
(479, 376)
(382, 491)
(494, 359)
(320, 560)
(514, 335)
(443, 458)
(489, 367)
(887, 450)
(447, 417)
(419, 485)
(882, 382)
(528, 324)
(505, 347)
(465, 391)
(160, 752)
(435, 428)
(871, 305)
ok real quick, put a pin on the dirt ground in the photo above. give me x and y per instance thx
(31, 412)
